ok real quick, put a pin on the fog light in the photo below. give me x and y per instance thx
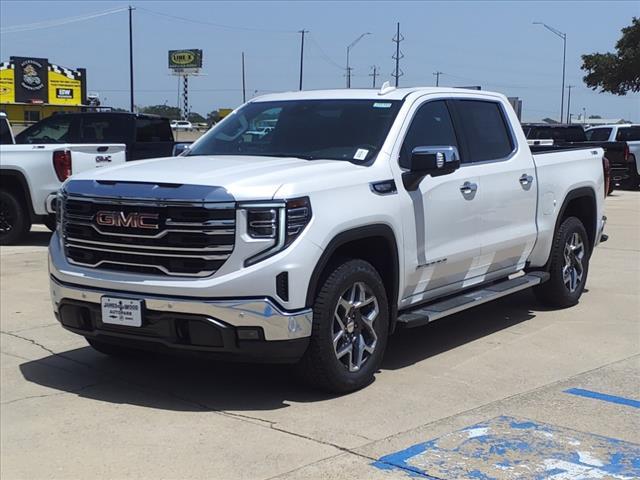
(248, 333)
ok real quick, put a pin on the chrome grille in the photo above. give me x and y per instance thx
(192, 239)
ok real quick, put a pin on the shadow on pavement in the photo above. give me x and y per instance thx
(186, 384)
(36, 238)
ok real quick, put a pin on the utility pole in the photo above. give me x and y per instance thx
(244, 94)
(569, 87)
(437, 75)
(131, 56)
(563, 36)
(398, 55)
(374, 74)
(301, 32)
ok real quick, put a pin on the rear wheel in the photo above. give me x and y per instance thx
(350, 329)
(14, 219)
(569, 265)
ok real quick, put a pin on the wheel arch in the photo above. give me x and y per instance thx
(364, 243)
(15, 181)
(581, 203)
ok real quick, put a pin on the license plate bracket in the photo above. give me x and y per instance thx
(126, 312)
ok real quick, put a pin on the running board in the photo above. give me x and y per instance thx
(434, 311)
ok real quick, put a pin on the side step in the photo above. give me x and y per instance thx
(438, 309)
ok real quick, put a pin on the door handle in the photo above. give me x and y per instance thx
(526, 180)
(468, 188)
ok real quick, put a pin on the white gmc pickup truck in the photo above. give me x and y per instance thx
(30, 176)
(359, 212)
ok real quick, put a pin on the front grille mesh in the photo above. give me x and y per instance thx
(192, 239)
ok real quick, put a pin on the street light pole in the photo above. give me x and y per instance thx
(569, 87)
(563, 36)
(349, 47)
(131, 57)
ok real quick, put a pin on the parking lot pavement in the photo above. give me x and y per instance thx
(488, 393)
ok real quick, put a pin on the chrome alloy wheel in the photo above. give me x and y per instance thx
(354, 336)
(573, 269)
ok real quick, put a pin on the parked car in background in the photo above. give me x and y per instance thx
(145, 136)
(629, 133)
(363, 211)
(6, 134)
(565, 136)
(181, 125)
(31, 175)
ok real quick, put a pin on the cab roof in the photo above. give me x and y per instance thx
(389, 93)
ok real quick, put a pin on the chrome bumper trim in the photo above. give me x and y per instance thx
(261, 312)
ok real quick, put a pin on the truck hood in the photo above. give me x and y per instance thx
(244, 177)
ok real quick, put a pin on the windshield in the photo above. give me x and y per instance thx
(327, 129)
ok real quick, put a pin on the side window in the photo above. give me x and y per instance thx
(102, 129)
(484, 130)
(153, 130)
(431, 126)
(598, 134)
(51, 130)
(628, 134)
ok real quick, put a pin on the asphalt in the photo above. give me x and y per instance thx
(505, 390)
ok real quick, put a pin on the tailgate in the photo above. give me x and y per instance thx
(87, 157)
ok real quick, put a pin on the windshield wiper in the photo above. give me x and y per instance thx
(301, 156)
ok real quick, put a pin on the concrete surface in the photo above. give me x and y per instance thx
(69, 412)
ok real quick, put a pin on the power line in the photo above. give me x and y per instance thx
(211, 24)
(324, 55)
(59, 22)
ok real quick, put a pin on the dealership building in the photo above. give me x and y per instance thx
(32, 89)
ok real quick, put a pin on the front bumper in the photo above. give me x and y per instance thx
(196, 325)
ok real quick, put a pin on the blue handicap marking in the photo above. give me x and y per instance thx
(581, 392)
(507, 448)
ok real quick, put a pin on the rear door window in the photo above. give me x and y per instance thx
(628, 134)
(483, 130)
(103, 129)
(153, 130)
(598, 134)
(431, 126)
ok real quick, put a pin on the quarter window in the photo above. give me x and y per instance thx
(628, 134)
(431, 126)
(484, 131)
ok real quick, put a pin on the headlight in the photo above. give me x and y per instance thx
(281, 221)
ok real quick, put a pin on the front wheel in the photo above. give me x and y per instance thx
(350, 329)
(569, 265)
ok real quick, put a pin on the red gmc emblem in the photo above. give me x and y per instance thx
(127, 220)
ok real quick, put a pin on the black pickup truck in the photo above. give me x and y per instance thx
(566, 135)
(146, 136)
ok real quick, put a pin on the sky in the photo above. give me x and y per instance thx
(492, 44)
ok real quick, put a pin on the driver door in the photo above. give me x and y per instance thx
(443, 216)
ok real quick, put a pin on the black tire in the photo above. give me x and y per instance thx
(50, 222)
(111, 349)
(556, 292)
(320, 366)
(633, 182)
(15, 222)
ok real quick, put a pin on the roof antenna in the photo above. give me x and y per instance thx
(386, 88)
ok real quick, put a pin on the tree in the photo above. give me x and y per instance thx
(595, 116)
(196, 118)
(617, 73)
(549, 120)
(172, 113)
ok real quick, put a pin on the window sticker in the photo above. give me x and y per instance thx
(382, 105)
(361, 154)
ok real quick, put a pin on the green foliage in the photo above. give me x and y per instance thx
(196, 118)
(213, 117)
(172, 113)
(617, 73)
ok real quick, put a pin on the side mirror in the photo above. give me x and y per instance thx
(180, 149)
(434, 161)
